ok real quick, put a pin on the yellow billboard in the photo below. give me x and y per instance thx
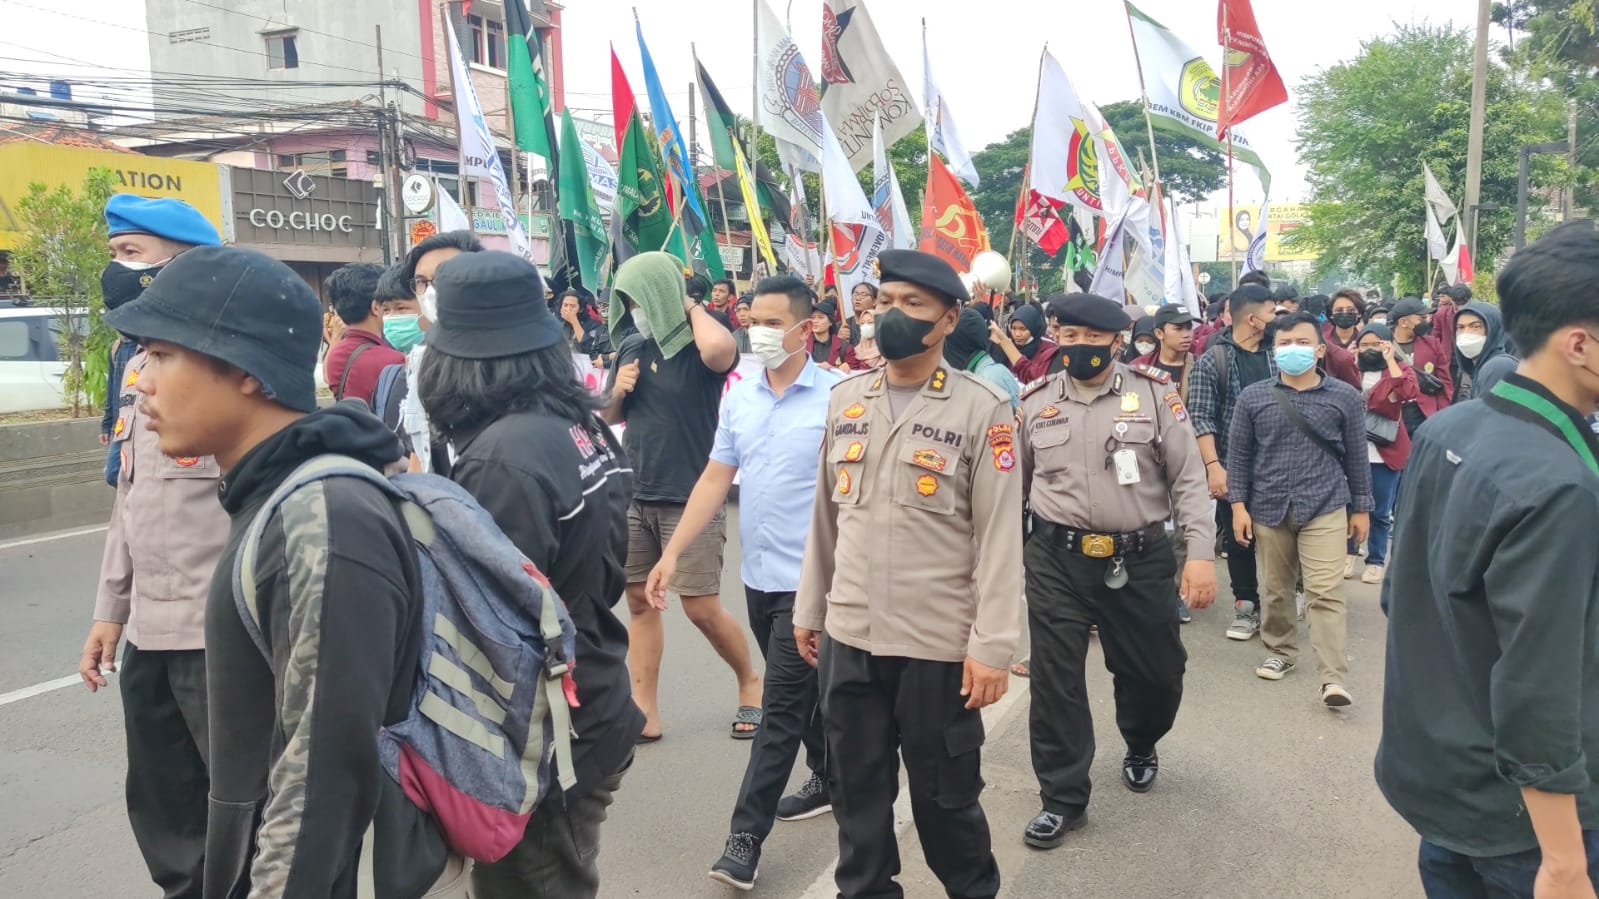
(1281, 219)
(24, 162)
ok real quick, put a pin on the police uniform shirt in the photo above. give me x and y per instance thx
(915, 547)
(1068, 436)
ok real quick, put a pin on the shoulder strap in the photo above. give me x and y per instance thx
(1218, 352)
(349, 366)
(1298, 418)
(244, 564)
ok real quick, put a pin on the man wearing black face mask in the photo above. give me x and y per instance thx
(1428, 347)
(1107, 457)
(913, 567)
(144, 236)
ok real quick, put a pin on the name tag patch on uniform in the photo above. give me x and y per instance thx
(855, 411)
(843, 482)
(1049, 412)
(852, 429)
(1175, 404)
(928, 459)
(855, 452)
(927, 485)
(1002, 440)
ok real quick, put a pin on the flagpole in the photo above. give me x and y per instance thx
(1226, 100)
(1021, 195)
(721, 185)
(455, 101)
(1149, 123)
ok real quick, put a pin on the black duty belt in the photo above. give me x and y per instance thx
(1104, 546)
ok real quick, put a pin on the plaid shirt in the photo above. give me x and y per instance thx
(1277, 472)
(1209, 406)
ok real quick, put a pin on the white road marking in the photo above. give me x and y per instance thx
(994, 717)
(39, 689)
(62, 535)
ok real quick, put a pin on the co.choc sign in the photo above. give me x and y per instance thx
(301, 221)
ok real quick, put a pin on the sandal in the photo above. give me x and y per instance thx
(1020, 668)
(747, 714)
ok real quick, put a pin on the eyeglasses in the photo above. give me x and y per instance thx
(419, 283)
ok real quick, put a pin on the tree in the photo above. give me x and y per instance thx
(1191, 171)
(60, 257)
(1367, 125)
(1558, 45)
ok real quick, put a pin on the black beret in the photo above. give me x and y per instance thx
(1174, 313)
(923, 270)
(1090, 311)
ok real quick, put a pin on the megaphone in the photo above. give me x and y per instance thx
(990, 270)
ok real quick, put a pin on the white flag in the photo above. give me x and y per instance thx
(857, 236)
(1110, 281)
(790, 109)
(1255, 256)
(1437, 244)
(451, 216)
(1442, 206)
(888, 201)
(941, 132)
(479, 158)
(1070, 141)
(1180, 284)
(862, 82)
(802, 258)
(602, 177)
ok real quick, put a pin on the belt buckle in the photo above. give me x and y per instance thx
(1098, 546)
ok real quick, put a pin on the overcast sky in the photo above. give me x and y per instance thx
(985, 54)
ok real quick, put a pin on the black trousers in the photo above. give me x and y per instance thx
(876, 709)
(790, 715)
(559, 855)
(1240, 559)
(1144, 653)
(164, 716)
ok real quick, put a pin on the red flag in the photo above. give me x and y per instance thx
(1252, 82)
(1036, 215)
(1467, 273)
(621, 98)
(951, 228)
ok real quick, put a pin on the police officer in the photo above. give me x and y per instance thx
(1106, 453)
(913, 567)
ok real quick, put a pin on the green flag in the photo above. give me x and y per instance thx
(640, 203)
(578, 207)
(719, 120)
(530, 91)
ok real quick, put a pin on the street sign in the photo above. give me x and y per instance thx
(417, 193)
(1204, 277)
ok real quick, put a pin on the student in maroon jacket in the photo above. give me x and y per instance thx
(1386, 384)
(354, 363)
(1428, 346)
(823, 343)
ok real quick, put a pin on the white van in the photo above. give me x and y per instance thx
(30, 363)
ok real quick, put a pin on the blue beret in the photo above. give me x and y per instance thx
(163, 217)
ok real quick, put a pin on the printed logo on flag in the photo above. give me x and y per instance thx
(1082, 165)
(834, 71)
(1200, 89)
(793, 97)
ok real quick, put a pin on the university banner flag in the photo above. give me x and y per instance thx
(530, 91)
(1184, 91)
(1253, 83)
(951, 228)
(1255, 256)
(479, 157)
(888, 201)
(857, 236)
(642, 220)
(862, 82)
(941, 132)
(789, 107)
(1036, 215)
(670, 137)
(578, 207)
(1070, 140)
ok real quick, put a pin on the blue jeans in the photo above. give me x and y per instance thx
(1450, 875)
(1385, 489)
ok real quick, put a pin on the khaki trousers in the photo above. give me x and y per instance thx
(1315, 549)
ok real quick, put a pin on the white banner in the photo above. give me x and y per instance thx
(941, 132)
(888, 201)
(1076, 158)
(857, 236)
(790, 109)
(479, 157)
(602, 177)
(802, 258)
(862, 82)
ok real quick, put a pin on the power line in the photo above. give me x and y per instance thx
(287, 27)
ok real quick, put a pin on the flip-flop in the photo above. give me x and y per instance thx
(1020, 669)
(747, 714)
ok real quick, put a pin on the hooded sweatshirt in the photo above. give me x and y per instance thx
(1479, 375)
(966, 348)
(295, 774)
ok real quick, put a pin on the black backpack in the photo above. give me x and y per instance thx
(389, 396)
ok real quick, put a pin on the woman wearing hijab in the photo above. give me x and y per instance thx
(1144, 340)
(865, 354)
(966, 348)
(1025, 348)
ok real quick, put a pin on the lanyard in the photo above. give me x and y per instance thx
(1546, 410)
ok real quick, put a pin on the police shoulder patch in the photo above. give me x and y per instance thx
(1159, 376)
(1032, 387)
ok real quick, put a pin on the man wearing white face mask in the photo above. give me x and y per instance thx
(420, 263)
(770, 428)
(1482, 357)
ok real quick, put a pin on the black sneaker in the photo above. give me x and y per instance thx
(810, 800)
(740, 863)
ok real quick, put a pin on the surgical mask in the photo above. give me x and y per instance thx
(641, 321)
(1471, 345)
(1379, 320)
(430, 304)
(1127, 336)
(1087, 361)
(403, 330)
(1295, 360)
(122, 282)
(1346, 320)
(1144, 347)
(868, 331)
(1371, 360)
(901, 336)
(767, 344)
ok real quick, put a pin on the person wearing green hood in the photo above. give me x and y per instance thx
(666, 384)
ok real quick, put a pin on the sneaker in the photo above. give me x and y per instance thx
(1275, 668)
(810, 800)
(1373, 575)
(1246, 621)
(1335, 697)
(1349, 567)
(1299, 604)
(740, 862)
(1184, 615)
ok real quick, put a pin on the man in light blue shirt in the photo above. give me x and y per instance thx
(770, 430)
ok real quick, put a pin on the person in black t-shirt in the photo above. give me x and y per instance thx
(666, 385)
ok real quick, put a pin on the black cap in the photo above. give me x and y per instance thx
(1408, 306)
(1174, 314)
(826, 307)
(491, 304)
(923, 270)
(240, 306)
(1088, 310)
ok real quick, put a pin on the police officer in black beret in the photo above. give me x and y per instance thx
(1107, 453)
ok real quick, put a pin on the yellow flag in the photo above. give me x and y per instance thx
(753, 206)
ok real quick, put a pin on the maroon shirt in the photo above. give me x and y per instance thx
(364, 377)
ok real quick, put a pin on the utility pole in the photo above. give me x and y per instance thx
(1569, 208)
(1479, 108)
(386, 214)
